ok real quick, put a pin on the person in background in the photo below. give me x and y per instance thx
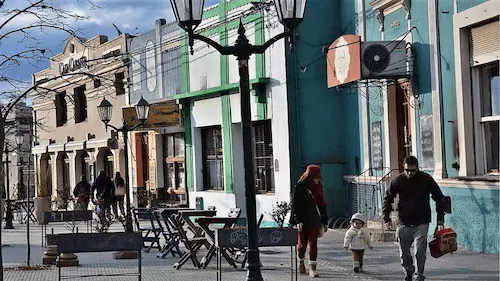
(308, 214)
(356, 239)
(414, 188)
(119, 197)
(82, 193)
(104, 189)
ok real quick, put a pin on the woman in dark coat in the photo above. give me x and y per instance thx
(309, 216)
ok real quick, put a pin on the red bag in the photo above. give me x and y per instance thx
(445, 241)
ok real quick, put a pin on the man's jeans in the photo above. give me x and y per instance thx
(407, 235)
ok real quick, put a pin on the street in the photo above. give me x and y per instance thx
(381, 263)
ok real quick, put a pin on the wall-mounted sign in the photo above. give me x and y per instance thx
(427, 142)
(165, 114)
(376, 142)
(72, 65)
(343, 60)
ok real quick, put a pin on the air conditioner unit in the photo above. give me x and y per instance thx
(384, 59)
(349, 59)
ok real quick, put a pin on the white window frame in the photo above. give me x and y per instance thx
(469, 163)
(480, 143)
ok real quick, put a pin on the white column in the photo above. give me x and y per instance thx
(53, 159)
(439, 172)
(72, 170)
(363, 98)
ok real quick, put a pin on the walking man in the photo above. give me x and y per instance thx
(82, 193)
(105, 192)
(414, 188)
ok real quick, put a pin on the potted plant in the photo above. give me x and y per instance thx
(280, 212)
(42, 200)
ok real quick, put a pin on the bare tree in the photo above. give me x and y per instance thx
(25, 22)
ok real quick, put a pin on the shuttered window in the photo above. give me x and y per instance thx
(213, 158)
(61, 109)
(80, 104)
(485, 39)
(263, 156)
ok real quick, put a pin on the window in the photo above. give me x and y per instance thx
(97, 83)
(119, 85)
(173, 170)
(80, 104)
(61, 109)
(213, 164)
(489, 118)
(263, 156)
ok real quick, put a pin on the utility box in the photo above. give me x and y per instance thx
(199, 203)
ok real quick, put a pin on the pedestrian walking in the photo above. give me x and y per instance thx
(119, 196)
(104, 189)
(414, 213)
(82, 193)
(356, 239)
(308, 214)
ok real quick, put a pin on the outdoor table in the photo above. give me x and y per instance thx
(205, 223)
(188, 214)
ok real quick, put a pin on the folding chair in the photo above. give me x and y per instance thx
(192, 245)
(170, 234)
(150, 234)
(245, 250)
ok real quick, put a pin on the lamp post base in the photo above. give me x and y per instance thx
(8, 217)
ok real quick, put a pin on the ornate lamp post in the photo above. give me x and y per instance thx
(8, 209)
(105, 109)
(188, 14)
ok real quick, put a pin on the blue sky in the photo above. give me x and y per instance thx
(131, 16)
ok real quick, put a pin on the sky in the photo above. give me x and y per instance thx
(130, 16)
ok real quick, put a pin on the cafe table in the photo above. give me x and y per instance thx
(205, 224)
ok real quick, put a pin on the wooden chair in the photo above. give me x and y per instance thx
(192, 245)
(169, 233)
(244, 251)
(151, 233)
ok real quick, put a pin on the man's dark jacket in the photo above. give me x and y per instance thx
(105, 187)
(413, 205)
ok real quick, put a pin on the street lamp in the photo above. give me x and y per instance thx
(105, 110)
(20, 162)
(188, 14)
(8, 210)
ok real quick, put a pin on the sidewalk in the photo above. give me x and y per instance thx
(381, 263)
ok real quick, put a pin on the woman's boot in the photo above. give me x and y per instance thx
(312, 270)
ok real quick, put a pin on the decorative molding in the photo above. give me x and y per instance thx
(407, 6)
(380, 18)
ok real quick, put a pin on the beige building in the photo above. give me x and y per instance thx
(71, 141)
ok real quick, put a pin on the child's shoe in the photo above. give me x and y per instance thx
(356, 266)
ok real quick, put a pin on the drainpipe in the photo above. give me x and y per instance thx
(440, 85)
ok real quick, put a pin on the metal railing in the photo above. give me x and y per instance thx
(367, 190)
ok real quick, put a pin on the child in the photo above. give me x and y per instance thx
(355, 239)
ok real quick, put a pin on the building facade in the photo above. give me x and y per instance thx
(444, 111)
(202, 151)
(71, 141)
(19, 161)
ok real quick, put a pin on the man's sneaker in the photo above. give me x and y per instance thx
(356, 269)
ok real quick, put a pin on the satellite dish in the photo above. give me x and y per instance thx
(376, 57)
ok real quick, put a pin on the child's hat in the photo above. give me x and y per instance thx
(358, 216)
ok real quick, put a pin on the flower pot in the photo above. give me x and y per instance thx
(42, 204)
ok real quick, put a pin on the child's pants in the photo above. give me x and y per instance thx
(357, 257)
(308, 235)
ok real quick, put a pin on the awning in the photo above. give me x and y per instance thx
(39, 149)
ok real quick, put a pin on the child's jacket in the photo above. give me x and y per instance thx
(356, 239)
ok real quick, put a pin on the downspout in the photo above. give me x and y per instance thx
(440, 85)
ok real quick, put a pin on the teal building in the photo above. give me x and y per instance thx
(445, 110)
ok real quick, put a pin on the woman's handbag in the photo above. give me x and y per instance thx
(444, 241)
